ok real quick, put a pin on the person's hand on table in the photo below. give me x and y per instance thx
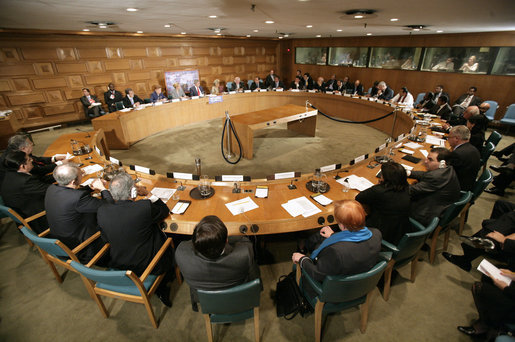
(97, 184)
(142, 190)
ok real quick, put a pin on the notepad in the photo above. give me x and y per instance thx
(356, 182)
(92, 169)
(261, 191)
(241, 206)
(180, 207)
(163, 193)
(300, 206)
(323, 200)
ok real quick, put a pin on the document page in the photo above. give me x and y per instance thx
(241, 206)
(163, 193)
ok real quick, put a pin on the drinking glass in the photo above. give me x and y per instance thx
(204, 186)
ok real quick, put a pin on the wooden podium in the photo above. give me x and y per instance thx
(299, 120)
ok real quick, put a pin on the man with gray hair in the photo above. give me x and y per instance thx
(71, 210)
(196, 90)
(465, 158)
(384, 92)
(132, 230)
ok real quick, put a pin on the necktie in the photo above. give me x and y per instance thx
(402, 99)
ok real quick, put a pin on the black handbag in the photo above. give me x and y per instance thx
(289, 298)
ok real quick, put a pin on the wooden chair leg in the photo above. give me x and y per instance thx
(51, 265)
(388, 279)
(414, 264)
(446, 240)
(298, 274)
(178, 275)
(364, 313)
(209, 331)
(319, 308)
(433, 244)
(150, 312)
(256, 324)
(463, 216)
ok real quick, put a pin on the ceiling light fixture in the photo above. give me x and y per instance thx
(359, 16)
(248, 36)
(85, 30)
(369, 34)
(183, 32)
(102, 26)
(255, 30)
(139, 31)
(286, 35)
(218, 34)
(439, 31)
(269, 22)
(131, 9)
(213, 17)
(168, 25)
(394, 19)
(280, 37)
(309, 26)
(318, 35)
(416, 29)
(339, 30)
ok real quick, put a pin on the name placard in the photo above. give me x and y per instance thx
(98, 150)
(330, 167)
(142, 169)
(263, 90)
(215, 99)
(176, 100)
(115, 161)
(380, 148)
(358, 159)
(247, 91)
(232, 92)
(284, 175)
(278, 89)
(195, 97)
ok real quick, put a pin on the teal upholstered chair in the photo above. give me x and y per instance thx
(406, 251)
(229, 86)
(249, 83)
(147, 100)
(231, 305)
(509, 116)
(447, 218)
(494, 138)
(486, 152)
(123, 284)
(419, 99)
(479, 186)
(19, 220)
(119, 105)
(490, 113)
(337, 293)
(54, 252)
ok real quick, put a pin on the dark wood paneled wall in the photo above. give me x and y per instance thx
(41, 75)
(490, 87)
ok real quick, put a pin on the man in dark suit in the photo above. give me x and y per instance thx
(270, 79)
(237, 85)
(131, 100)
(257, 84)
(384, 92)
(308, 81)
(356, 89)
(21, 190)
(319, 85)
(90, 103)
(465, 157)
(439, 92)
(111, 96)
(196, 90)
(278, 84)
(465, 100)
(347, 83)
(442, 108)
(71, 210)
(296, 84)
(436, 189)
(211, 261)
(331, 83)
(132, 230)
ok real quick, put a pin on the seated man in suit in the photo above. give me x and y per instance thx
(465, 100)
(319, 85)
(347, 83)
(384, 92)
(477, 124)
(403, 98)
(439, 92)
(270, 79)
(442, 108)
(157, 95)
(436, 189)
(111, 96)
(296, 84)
(132, 229)
(465, 157)
(71, 210)
(237, 85)
(131, 100)
(356, 89)
(89, 101)
(427, 104)
(197, 90)
(299, 75)
(331, 83)
(21, 190)
(308, 81)
(257, 84)
(213, 261)
(278, 84)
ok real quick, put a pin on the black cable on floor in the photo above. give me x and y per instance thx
(237, 139)
(352, 122)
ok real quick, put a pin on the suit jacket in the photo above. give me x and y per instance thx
(465, 161)
(444, 113)
(242, 86)
(295, 86)
(72, 213)
(279, 85)
(127, 102)
(193, 91)
(111, 102)
(177, 95)
(86, 104)
(318, 87)
(437, 95)
(309, 84)
(132, 229)
(387, 95)
(344, 258)
(388, 211)
(42, 166)
(25, 193)
(269, 81)
(433, 193)
(356, 90)
(476, 100)
(254, 86)
(235, 266)
(154, 97)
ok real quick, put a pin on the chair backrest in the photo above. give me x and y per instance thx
(481, 184)
(410, 243)
(8, 212)
(490, 113)
(113, 278)
(486, 152)
(147, 100)
(339, 289)
(454, 209)
(229, 86)
(369, 91)
(420, 97)
(237, 299)
(249, 83)
(510, 112)
(119, 105)
(494, 138)
(48, 245)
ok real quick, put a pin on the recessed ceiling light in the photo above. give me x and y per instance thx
(248, 35)
(255, 30)
(132, 9)
(394, 19)
(281, 37)
(183, 32)
(218, 34)
(359, 16)
(286, 35)
(139, 31)
(309, 26)
(439, 31)
(102, 26)
(85, 30)
(213, 16)
(318, 35)
(168, 25)
(339, 30)
(217, 30)
(369, 34)
(416, 29)
(269, 22)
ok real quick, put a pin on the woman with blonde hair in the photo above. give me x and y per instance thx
(215, 89)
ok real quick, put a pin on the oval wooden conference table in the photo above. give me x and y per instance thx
(270, 217)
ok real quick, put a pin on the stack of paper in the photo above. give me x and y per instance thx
(300, 206)
(487, 268)
(431, 139)
(163, 193)
(356, 182)
(412, 145)
(241, 206)
(322, 199)
(92, 169)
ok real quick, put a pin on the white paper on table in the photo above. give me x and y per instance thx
(263, 90)
(407, 167)
(356, 182)
(486, 267)
(295, 90)
(437, 124)
(195, 97)
(424, 152)
(88, 182)
(176, 100)
(292, 209)
(261, 192)
(92, 169)
(440, 134)
(232, 92)
(323, 200)
(180, 207)
(305, 205)
(279, 89)
(431, 139)
(97, 150)
(241, 206)
(163, 193)
(96, 104)
(412, 145)
(158, 103)
(125, 110)
(407, 151)
(312, 91)
(247, 91)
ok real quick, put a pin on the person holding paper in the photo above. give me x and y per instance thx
(157, 95)
(111, 96)
(213, 261)
(131, 100)
(388, 203)
(132, 230)
(88, 102)
(72, 211)
(436, 189)
(349, 248)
